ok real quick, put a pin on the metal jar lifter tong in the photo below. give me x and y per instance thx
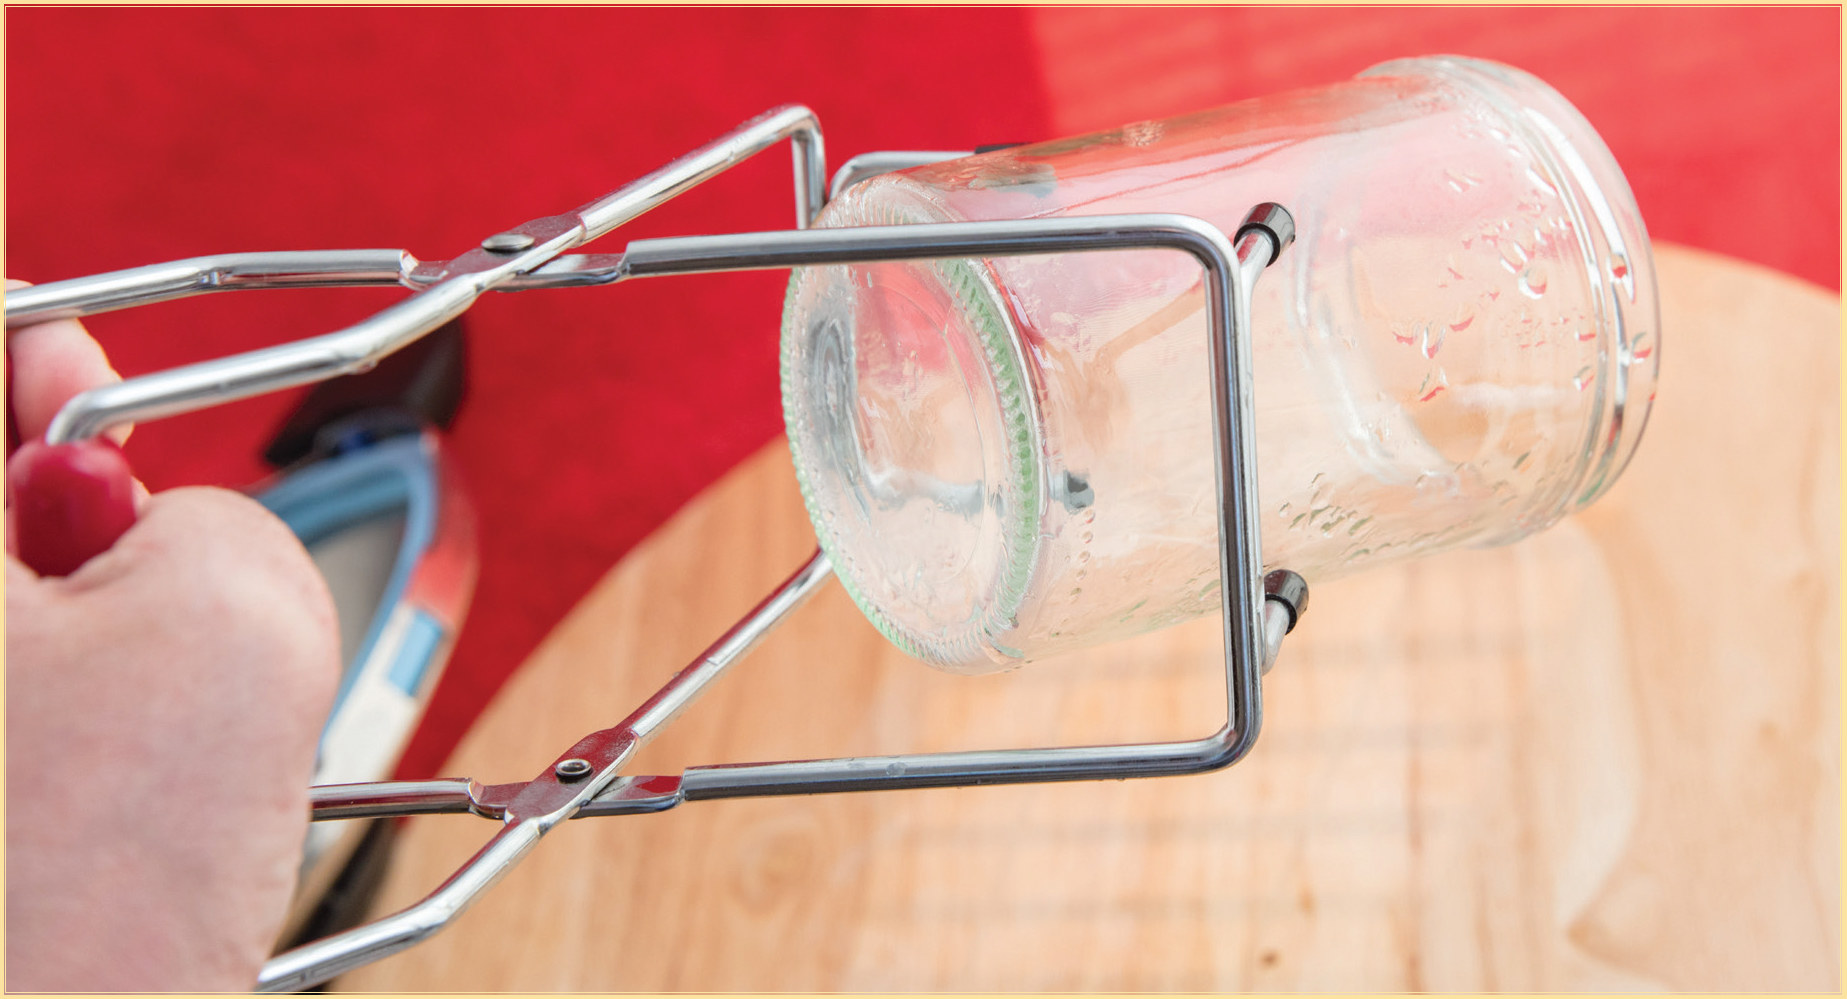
(586, 780)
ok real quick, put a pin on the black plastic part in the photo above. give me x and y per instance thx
(421, 385)
(1274, 219)
(1288, 589)
(1074, 492)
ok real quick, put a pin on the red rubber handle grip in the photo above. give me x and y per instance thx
(70, 502)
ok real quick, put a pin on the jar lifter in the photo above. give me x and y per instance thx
(586, 779)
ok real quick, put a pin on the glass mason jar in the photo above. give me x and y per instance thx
(1009, 458)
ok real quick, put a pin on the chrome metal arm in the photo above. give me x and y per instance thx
(640, 795)
(87, 296)
(585, 779)
(528, 810)
(447, 289)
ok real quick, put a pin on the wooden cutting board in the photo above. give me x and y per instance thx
(1604, 758)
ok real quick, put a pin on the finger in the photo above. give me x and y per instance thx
(197, 657)
(47, 364)
(215, 529)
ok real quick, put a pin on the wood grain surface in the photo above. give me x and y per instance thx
(1604, 758)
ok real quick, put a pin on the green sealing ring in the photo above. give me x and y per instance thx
(976, 298)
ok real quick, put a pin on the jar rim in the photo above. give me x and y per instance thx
(975, 646)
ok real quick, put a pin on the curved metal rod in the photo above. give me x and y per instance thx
(589, 769)
(640, 795)
(867, 165)
(1230, 277)
(452, 287)
(793, 122)
(330, 957)
(529, 810)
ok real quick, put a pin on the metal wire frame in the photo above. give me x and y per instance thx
(586, 779)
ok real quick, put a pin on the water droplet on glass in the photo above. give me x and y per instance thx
(1640, 348)
(1083, 556)
(1441, 382)
(1522, 459)
(1465, 315)
(1533, 281)
(1405, 338)
(1513, 256)
(1459, 182)
(1087, 537)
(1546, 188)
(1622, 275)
(1283, 511)
(1433, 335)
(1583, 378)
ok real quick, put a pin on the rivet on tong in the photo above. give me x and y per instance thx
(568, 770)
(507, 242)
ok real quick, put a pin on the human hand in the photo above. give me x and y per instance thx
(163, 706)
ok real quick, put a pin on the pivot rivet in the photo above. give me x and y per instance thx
(572, 769)
(507, 242)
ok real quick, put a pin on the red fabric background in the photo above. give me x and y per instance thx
(1726, 120)
(142, 135)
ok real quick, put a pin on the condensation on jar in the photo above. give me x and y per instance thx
(1006, 459)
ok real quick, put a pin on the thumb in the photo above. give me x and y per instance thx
(213, 568)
